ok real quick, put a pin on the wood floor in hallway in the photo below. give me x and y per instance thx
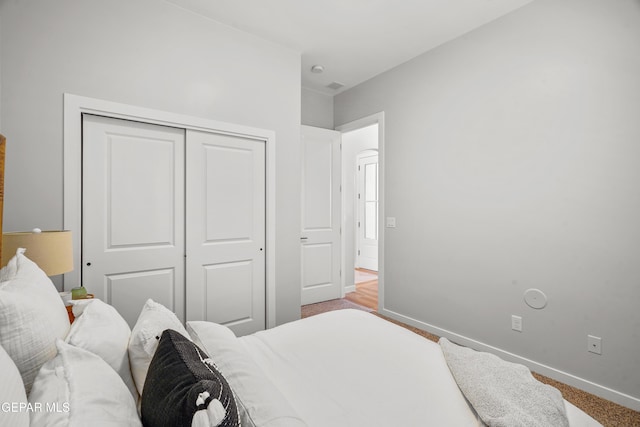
(366, 293)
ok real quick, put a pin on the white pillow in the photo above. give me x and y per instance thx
(259, 401)
(100, 329)
(12, 395)
(78, 389)
(32, 316)
(153, 320)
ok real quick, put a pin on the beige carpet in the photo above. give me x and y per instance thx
(609, 414)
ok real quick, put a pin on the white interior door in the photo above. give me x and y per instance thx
(321, 210)
(226, 230)
(133, 214)
(367, 222)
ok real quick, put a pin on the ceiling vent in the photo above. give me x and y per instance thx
(335, 85)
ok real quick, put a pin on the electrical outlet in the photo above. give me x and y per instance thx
(516, 323)
(594, 344)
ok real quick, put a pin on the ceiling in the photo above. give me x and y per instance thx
(353, 40)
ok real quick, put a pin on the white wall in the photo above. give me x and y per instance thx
(353, 143)
(512, 161)
(317, 109)
(152, 54)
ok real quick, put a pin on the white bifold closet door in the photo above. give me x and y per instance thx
(133, 214)
(226, 231)
(177, 216)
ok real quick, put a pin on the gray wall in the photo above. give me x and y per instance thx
(151, 54)
(513, 161)
(317, 109)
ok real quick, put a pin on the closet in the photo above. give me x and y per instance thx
(176, 215)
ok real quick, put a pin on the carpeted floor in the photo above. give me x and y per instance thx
(609, 414)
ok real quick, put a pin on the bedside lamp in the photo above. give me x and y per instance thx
(52, 251)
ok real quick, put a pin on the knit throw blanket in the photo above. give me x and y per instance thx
(503, 394)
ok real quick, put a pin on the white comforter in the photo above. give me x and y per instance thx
(343, 368)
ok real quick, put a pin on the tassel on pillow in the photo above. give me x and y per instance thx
(210, 415)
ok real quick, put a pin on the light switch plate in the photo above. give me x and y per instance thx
(391, 222)
(516, 323)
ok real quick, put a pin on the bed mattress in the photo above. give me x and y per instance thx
(346, 368)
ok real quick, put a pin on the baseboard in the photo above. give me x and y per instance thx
(348, 289)
(566, 378)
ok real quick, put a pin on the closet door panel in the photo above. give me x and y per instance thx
(129, 291)
(133, 214)
(140, 192)
(226, 230)
(237, 304)
(229, 183)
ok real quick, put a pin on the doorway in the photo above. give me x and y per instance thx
(362, 194)
(366, 289)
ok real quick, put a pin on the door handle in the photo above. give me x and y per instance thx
(304, 238)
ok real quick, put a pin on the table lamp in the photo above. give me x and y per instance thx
(52, 251)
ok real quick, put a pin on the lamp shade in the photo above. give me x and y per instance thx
(52, 251)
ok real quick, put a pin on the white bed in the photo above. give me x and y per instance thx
(343, 368)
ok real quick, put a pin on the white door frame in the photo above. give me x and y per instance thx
(75, 106)
(377, 118)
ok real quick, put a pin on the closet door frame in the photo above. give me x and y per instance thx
(75, 106)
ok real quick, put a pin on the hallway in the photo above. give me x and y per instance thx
(366, 293)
